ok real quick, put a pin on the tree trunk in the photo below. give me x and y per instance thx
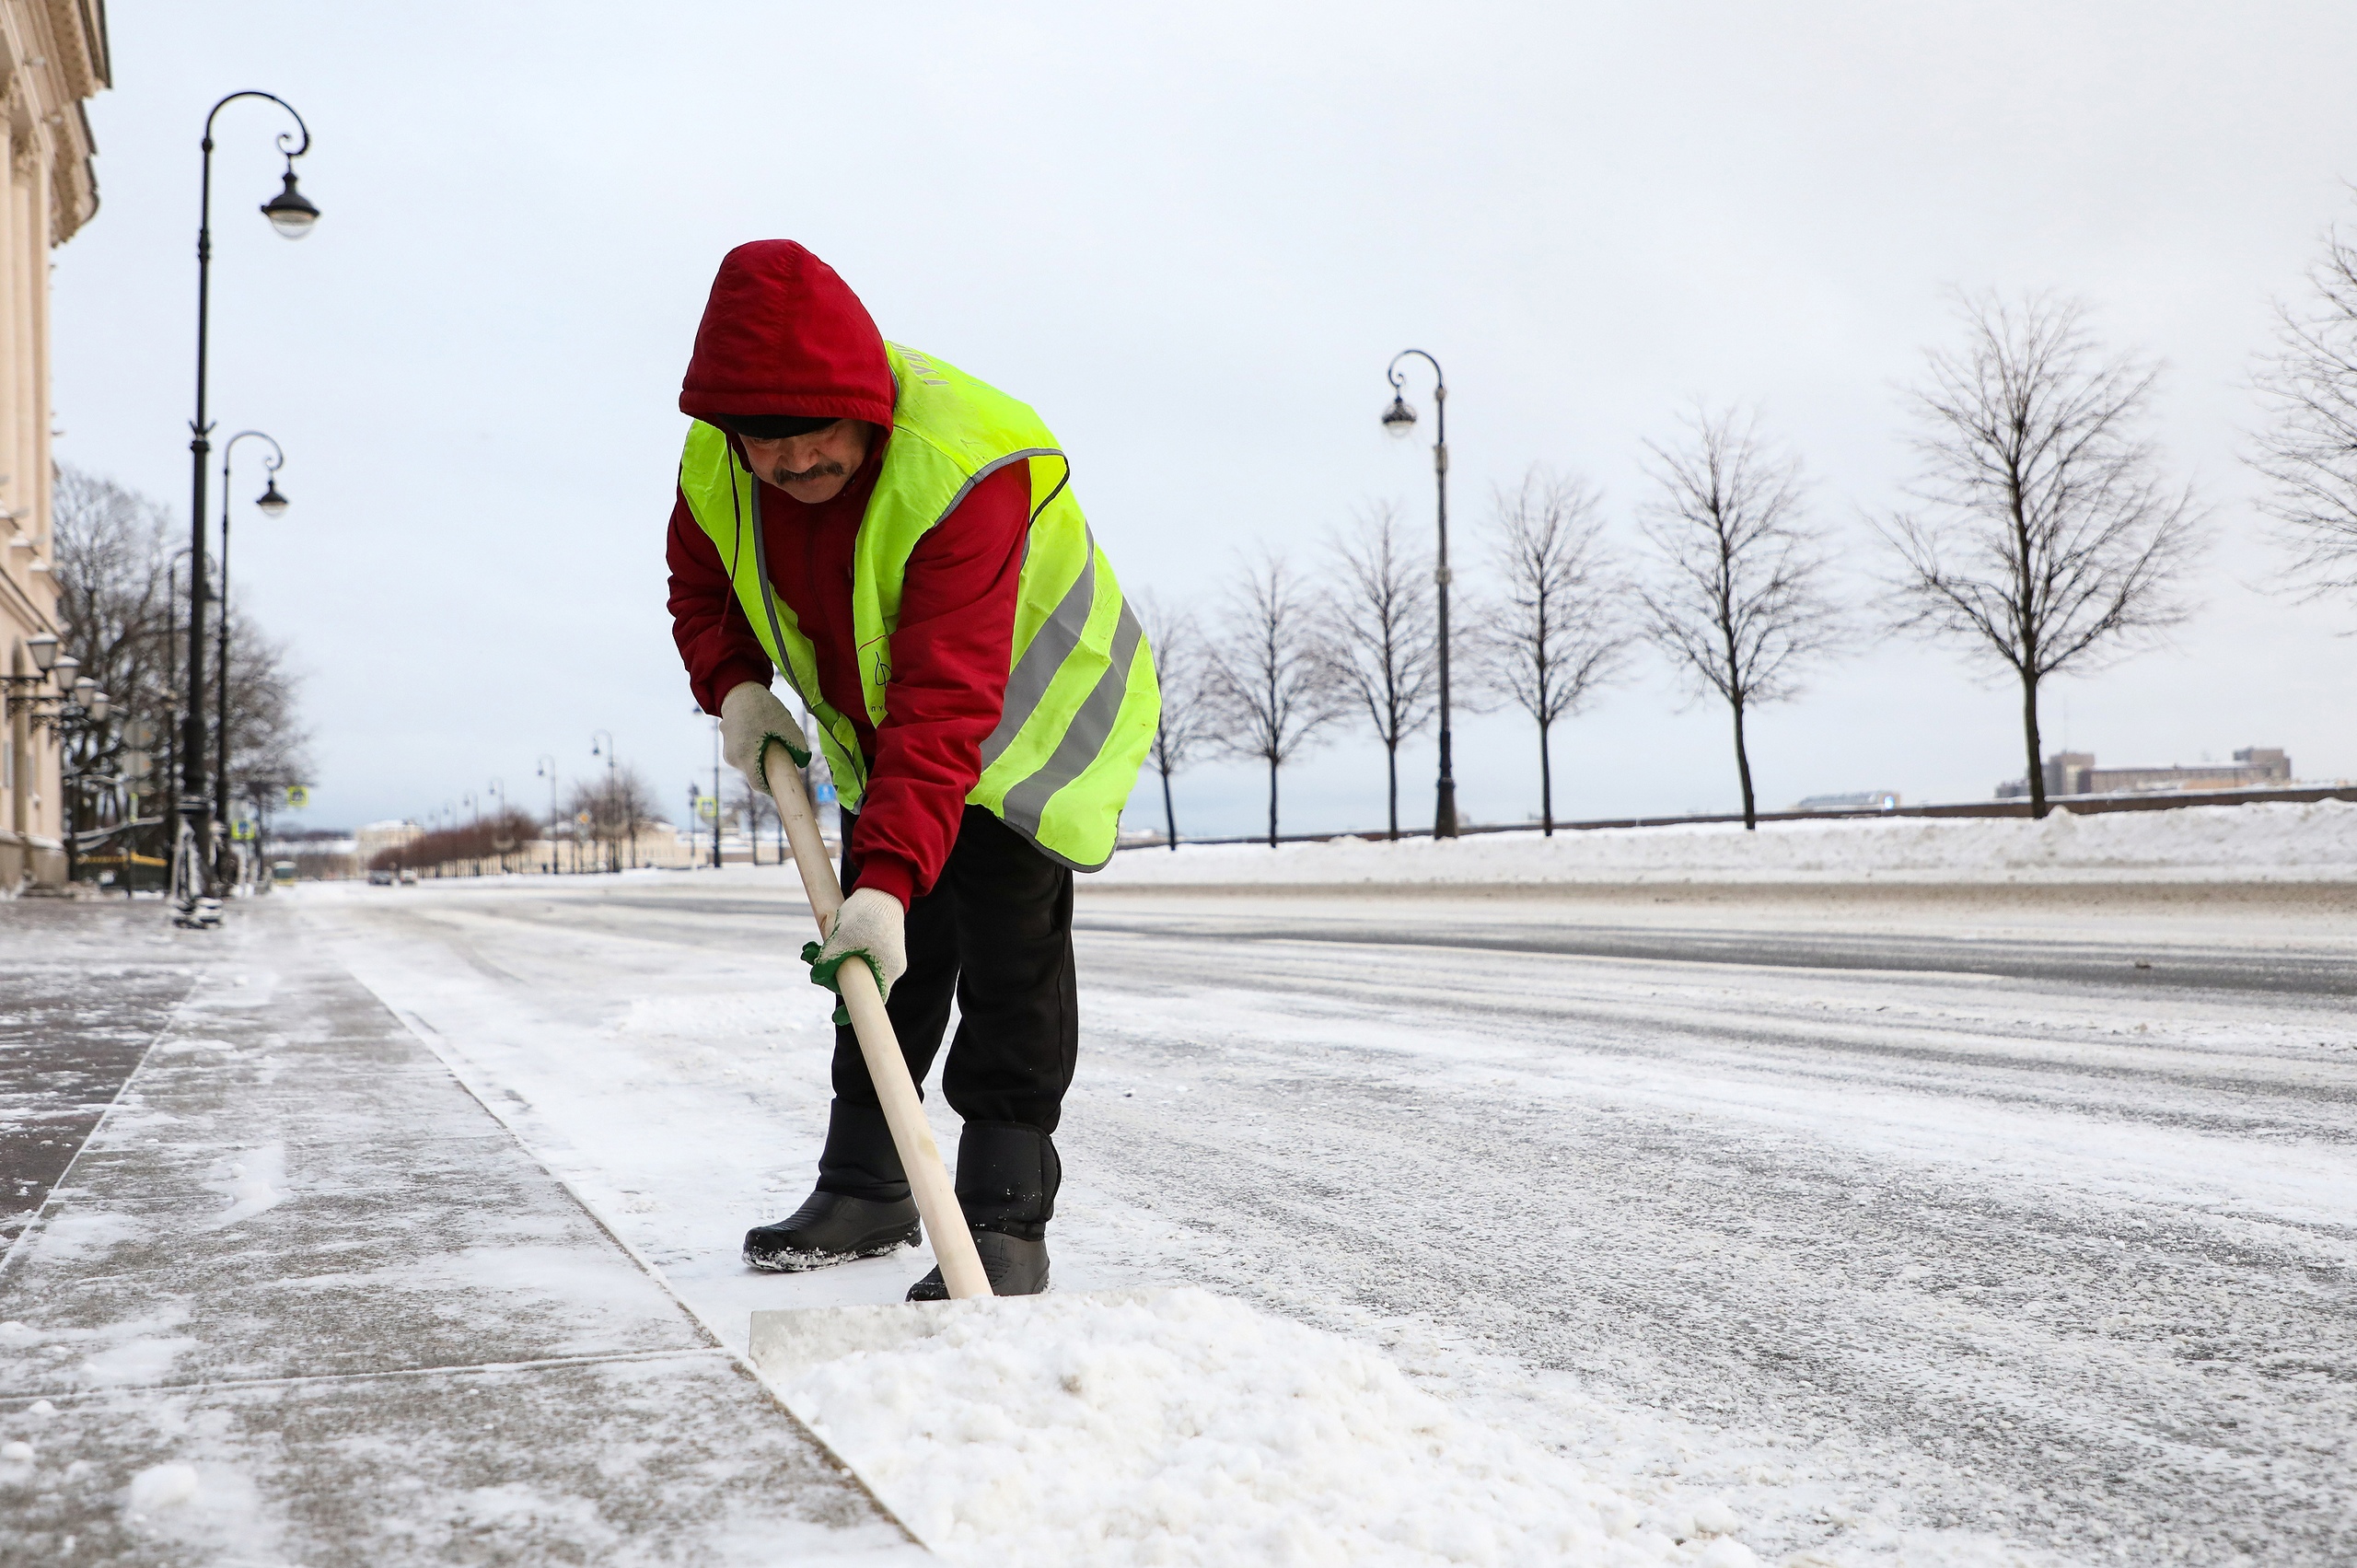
(1546, 785)
(2030, 741)
(1169, 818)
(1742, 772)
(1272, 803)
(1392, 765)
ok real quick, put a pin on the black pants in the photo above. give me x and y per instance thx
(996, 933)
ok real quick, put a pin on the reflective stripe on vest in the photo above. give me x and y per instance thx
(1081, 702)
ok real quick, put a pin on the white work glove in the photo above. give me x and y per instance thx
(750, 719)
(871, 923)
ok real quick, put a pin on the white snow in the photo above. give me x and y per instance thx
(134, 1360)
(2313, 841)
(670, 1063)
(1186, 1428)
(254, 1184)
(163, 1486)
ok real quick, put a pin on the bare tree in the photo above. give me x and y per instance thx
(1385, 636)
(634, 804)
(617, 801)
(269, 745)
(1737, 599)
(2048, 540)
(468, 842)
(114, 587)
(2309, 450)
(757, 811)
(1190, 722)
(1273, 673)
(1558, 634)
(110, 582)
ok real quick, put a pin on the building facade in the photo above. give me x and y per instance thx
(53, 57)
(2075, 773)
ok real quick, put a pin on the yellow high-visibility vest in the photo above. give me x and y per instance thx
(1081, 704)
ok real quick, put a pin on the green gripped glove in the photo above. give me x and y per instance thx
(822, 973)
(871, 927)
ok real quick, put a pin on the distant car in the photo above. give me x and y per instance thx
(380, 878)
(409, 878)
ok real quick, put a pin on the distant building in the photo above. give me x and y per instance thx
(1862, 800)
(375, 838)
(55, 56)
(316, 854)
(2075, 773)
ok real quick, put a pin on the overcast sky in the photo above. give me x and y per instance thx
(1191, 237)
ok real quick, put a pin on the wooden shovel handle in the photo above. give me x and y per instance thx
(944, 1221)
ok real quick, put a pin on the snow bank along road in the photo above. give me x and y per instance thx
(1942, 1232)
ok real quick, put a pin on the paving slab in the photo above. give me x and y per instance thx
(299, 1298)
(72, 1025)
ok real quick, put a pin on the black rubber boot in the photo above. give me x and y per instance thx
(862, 1208)
(1015, 1267)
(859, 1160)
(830, 1227)
(1007, 1177)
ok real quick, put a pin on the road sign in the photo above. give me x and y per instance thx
(707, 807)
(298, 797)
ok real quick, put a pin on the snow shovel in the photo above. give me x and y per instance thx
(944, 1221)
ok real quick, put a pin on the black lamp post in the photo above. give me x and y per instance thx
(499, 824)
(606, 738)
(547, 770)
(271, 503)
(1398, 420)
(292, 215)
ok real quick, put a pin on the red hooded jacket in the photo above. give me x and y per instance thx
(781, 334)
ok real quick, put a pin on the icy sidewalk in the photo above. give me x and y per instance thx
(300, 1300)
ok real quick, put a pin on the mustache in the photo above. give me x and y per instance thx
(783, 476)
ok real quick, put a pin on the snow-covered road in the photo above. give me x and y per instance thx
(1936, 1262)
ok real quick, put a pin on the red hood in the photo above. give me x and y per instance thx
(781, 334)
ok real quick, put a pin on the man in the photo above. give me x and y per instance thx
(902, 541)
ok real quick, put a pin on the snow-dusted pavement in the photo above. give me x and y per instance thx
(1841, 1260)
(298, 1299)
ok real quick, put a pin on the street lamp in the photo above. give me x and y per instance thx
(614, 854)
(716, 793)
(1398, 420)
(272, 504)
(292, 215)
(546, 768)
(290, 212)
(499, 841)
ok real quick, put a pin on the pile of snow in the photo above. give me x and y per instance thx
(2307, 841)
(164, 1486)
(1185, 1428)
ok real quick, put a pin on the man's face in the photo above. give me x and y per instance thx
(812, 468)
